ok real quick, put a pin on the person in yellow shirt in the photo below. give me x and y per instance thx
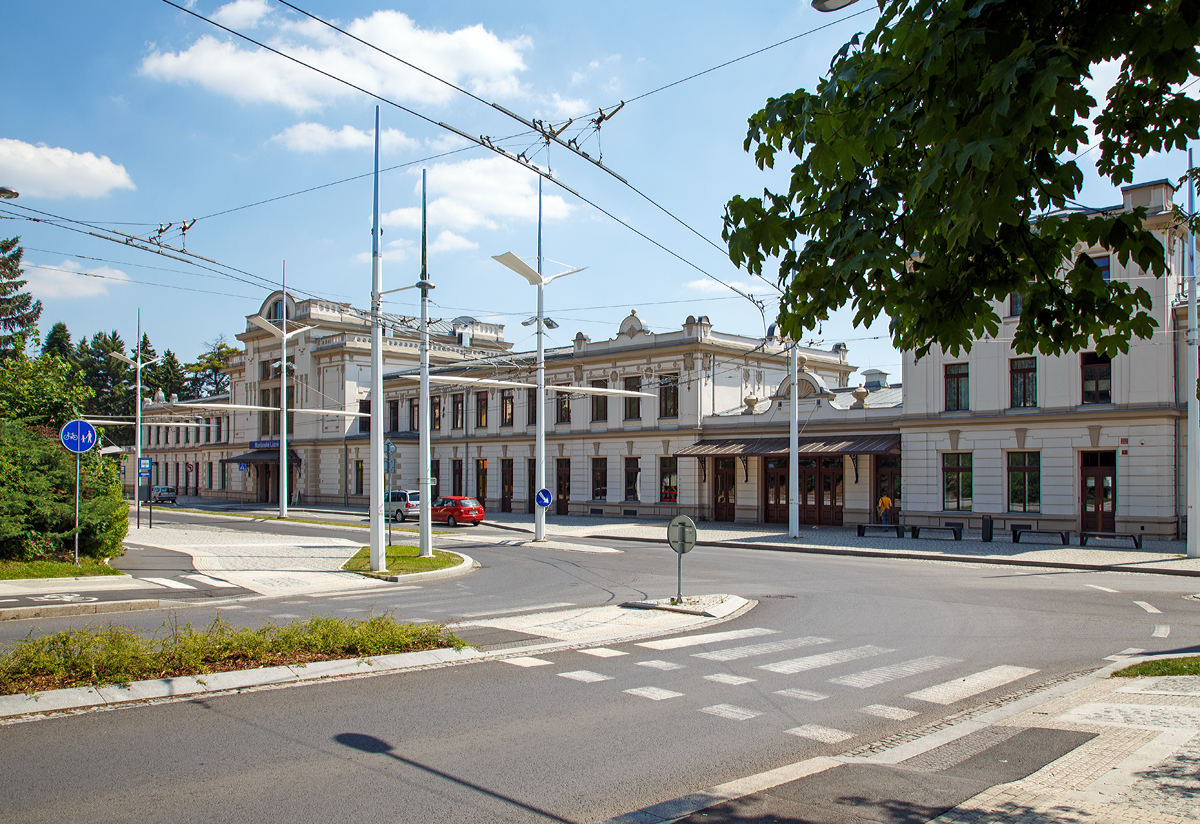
(885, 508)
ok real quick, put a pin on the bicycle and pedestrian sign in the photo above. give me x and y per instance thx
(78, 436)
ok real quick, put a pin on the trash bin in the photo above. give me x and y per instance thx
(987, 529)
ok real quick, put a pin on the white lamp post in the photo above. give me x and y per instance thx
(137, 413)
(1193, 406)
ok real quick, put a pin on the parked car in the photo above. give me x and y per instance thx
(402, 504)
(162, 494)
(457, 509)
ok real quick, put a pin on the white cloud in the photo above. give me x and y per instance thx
(447, 241)
(314, 137)
(1103, 76)
(560, 108)
(68, 280)
(395, 251)
(472, 57)
(446, 142)
(242, 14)
(42, 171)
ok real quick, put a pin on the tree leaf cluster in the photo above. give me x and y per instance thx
(935, 171)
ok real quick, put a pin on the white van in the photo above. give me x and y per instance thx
(162, 494)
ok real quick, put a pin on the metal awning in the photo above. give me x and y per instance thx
(264, 456)
(833, 445)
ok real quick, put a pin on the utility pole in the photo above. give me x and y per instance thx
(378, 551)
(794, 450)
(137, 413)
(283, 382)
(1193, 405)
(539, 512)
(425, 482)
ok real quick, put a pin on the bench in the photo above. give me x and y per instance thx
(1136, 537)
(1022, 529)
(899, 530)
(955, 529)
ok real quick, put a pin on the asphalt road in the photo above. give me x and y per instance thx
(562, 739)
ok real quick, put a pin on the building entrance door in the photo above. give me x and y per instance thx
(456, 477)
(529, 498)
(506, 484)
(725, 489)
(832, 491)
(775, 484)
(562, 497)
(1098, 491)
(887, 482)
(809, 509)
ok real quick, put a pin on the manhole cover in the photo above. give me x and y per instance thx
(778, 596)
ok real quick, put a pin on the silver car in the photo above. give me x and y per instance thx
(400, 504)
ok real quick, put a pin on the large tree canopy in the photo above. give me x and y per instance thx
(933, 153)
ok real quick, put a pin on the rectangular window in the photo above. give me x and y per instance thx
(457, 415)
(599, 479)
(562, 406)
(210, 474)
(668, 480)
(1097, 377)
(1022, 373)
(1105, 264)
(435, 413)
(1024, 482)
(221, 479)
(481, 481)
(414, 415)
(600, 403)
(531, 407)
(220, 421)
(358, 477)
(456, 476)
(633, 406)
(957, 387)
(177, 434)
(1016, 304)
(435, 477)
(668, 396)
(481, 409)
(508, 404)
(393, 424)
(632, 474)
(187, 434)
(956, 481)
(208, 433)
(364, 407)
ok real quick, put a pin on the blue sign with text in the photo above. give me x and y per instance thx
(78, 436)
(264, 444)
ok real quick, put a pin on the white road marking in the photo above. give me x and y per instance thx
(1102, 589)
(7, 600)
(734, 653)
(284, 615)
(802, 695)
(961, 688)
(706, 638)
(1148, 607)
(893, 713)
(731, 712)
(527, 661)
(586, 676)
(815, 732)
(603, 652)
(1161, 631)
(825, 659)
(209, 580)
(881, 675)
(654, 693)
(169, 583)
(515, 610)
(1125, 653)
(731, 680)
(660, 665)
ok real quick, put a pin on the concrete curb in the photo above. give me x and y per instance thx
(95, 608)
(467, 565)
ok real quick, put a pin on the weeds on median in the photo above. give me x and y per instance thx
(103, 655)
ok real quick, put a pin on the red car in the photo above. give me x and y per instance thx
(457, 509)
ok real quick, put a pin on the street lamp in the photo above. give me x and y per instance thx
(137, 412)
(535, 277)
(7, 193)
(831, 5)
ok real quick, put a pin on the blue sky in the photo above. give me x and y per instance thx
(135, 115)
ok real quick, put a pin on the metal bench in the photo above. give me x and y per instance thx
(954, 528)
(1023, 529)
(1136, 537)
(899, 530)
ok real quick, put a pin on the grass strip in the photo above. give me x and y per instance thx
(403, 560)
(115, 654)
(1162, 666)
(14, 570)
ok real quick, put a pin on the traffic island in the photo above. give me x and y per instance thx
(710, 606)
(405, 563)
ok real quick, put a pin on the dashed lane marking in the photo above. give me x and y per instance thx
(734, 653)
(825, 659)
(706, 638)
(666, 666)
(1102, 589)
(654, 693)
(1149, 607)
(603, 652)
(1161, 631)
(892, 713)
(731, 680)
(881, 675)
(169, 583)
(731, 712)
(802, 695)
(815, 732)
(587, 676)
(527, 661)
(961, 688)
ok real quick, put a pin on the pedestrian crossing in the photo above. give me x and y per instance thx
(761, 690)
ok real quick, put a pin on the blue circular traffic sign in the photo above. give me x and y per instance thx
(544, 498)
(78, 436)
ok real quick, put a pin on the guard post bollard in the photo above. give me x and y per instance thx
(986, 536)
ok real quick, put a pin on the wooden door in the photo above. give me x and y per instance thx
(725, 489)
(562, 497)
(775, 487)
(506, 484)
(456, 477)
(1098, 491)
(887, 482)
(809, 511)
(832, 491)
